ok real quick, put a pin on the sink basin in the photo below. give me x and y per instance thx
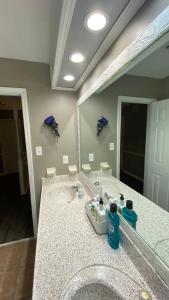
(95, 291)
(101, 282)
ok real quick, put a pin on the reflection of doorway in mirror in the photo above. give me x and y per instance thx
(157, 154)
(132, 146)
(142, 147)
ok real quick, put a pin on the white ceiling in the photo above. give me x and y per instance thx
(48, 31)
(155, 66)
(25, 29)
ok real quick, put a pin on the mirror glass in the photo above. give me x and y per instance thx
(124, 145)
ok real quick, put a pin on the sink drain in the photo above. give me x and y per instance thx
(145, 295)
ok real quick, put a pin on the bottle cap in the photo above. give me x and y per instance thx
(121, 197)
(113, 207)
(129, 204)
(101, 201)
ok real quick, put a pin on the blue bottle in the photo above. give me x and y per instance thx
(129, 214)
(113, 227)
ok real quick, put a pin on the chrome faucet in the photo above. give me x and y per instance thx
(107, 196)
(76, 187)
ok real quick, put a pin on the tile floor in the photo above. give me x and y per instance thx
(16, 270)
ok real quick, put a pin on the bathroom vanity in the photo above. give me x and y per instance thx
(73, 262)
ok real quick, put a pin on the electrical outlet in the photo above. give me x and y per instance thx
(91, 156)
(38, 150)
(111, 146)
(65, 159)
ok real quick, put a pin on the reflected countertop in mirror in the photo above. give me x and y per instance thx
(133, 144)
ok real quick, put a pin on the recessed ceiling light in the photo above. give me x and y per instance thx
(68, 77)
(96, 21)
(77, 57)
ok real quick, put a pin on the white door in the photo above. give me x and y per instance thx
(156, 177)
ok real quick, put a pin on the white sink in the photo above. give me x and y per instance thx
(101, 282)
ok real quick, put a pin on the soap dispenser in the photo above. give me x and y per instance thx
(113, 227)
(129, 214)
(102, 211)
(121, 204)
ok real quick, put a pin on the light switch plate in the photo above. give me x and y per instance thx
(38, 150)
(91, 156)
(65, 159)
(111, 146)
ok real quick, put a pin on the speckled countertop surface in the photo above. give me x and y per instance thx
(148, 213)
(67, 243)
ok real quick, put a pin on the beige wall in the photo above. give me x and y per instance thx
(149, 11)
(42, 101)
(105, 104)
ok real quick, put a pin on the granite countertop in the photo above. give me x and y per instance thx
(148, 213)
(67, 243)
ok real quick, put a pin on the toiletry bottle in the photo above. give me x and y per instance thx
(94, 211)
(80, 192)
(121, 204)
(101, 211)
(113, 227)
(129, 214)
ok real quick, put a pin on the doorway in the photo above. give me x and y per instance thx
(131, 140)
(18, 218)
(15, 204)
(132, 146)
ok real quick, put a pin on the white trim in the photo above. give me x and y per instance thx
(122, 99)
(20, 163)
(127, 14)
(9, 91)
(78, 135)
(64, 26)
(148, 51)
(118, 66)
(147, 148)
(64, 89)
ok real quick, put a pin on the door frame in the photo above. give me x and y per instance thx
(127, 99)
(10, 91)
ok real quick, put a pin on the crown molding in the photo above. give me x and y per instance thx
(127, 14)
(64, 27)
(64, 89)
(118, 66)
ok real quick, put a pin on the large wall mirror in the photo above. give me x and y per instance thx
(124, 145)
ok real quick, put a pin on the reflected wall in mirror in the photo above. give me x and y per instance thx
(131, 155)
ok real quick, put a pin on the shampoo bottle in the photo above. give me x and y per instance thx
(113, 227)
(129, 214)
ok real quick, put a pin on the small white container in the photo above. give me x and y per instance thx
(72, 170)
(86, 168)
(50, 172)
(100, 227)
(104, 166)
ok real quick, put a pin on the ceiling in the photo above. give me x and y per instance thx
(49, 31)
(25, 27)
(154, 66)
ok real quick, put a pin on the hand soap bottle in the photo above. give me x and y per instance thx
(113, 227)
(101, 211)
(129, 214)
(121, 204)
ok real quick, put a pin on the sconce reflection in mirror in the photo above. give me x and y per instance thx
(51, 122)
(101, 123)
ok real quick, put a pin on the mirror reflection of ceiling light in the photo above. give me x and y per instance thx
(68, 77)
(96, 21)
(77, 57)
